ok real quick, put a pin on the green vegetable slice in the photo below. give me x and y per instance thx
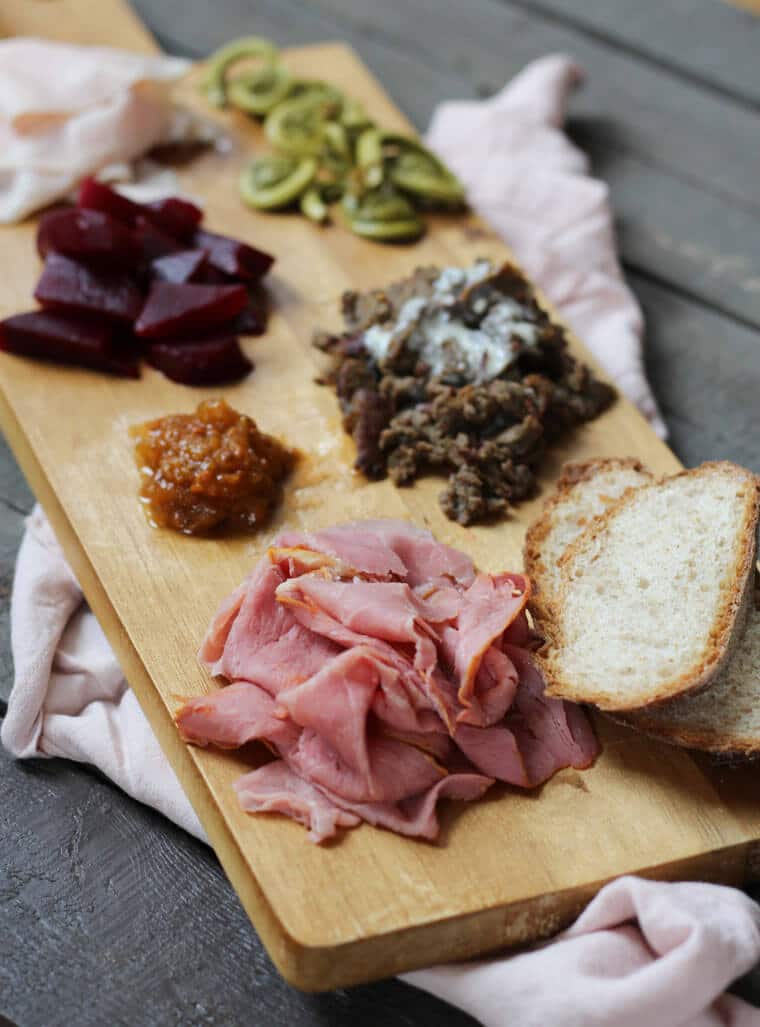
(315, 87)
(260, 92)
(353, 115)
(327, 149)
(313, 206)
(382, 214)
(369, 157)
(331, 177)
(336, 138)
(416, 170)
(297, 126)
(222, 60)
(269, 183)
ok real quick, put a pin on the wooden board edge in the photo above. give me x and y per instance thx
(489, 932)
(323, 968)
(284, 950)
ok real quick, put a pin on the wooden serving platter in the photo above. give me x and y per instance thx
(511, 868)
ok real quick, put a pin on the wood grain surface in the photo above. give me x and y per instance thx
(643, 807)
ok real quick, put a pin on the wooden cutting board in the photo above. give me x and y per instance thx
(510, 869)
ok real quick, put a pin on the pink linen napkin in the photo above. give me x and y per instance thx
(642, 953)
(532, 185)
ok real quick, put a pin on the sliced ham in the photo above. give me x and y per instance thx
(263, 642)
(336, 702)
(490, 605)
(396, 770)
(384, 548)
(275, 788)
(417, 816)
(552, 734)
(433, 689)
(354, 552)
(387, 610)
(213, 644)
(240, 713)
(387, 675)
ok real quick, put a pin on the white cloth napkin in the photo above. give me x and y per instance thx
(68, 111)
(642, 953)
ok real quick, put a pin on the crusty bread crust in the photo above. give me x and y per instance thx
(573, 473)
(726, 629)
(706, 739)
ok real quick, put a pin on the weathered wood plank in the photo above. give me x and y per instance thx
(111, 915)
(681, 162)
(707, 42)
(647, 109)
(705, 370)
(703, 244)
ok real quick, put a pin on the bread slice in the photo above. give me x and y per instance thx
(654, 593)
(722, 718)
(584, 491)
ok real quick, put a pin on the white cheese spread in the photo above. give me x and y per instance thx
(443, 341)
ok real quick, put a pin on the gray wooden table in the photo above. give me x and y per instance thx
(109, 915)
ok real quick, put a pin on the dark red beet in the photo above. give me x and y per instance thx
(234, 258)
(183, 266)
(97, 196)
(212, 276)
(67, 285)
(68, 339)
(253, 320)
(203, 362)
(173, 310)
(174, 216)
(88, 235)
(153, 242)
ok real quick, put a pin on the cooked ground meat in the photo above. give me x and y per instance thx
(458, 372)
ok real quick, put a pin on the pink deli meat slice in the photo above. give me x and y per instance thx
(432, 692)
(416, 817)
(538, 736)
(396, 770)
(552, 734)
(387, 610)
(275, 788)
(255, 638)
(337, 700)
(235, 715)
(381, 690)
(490, 605)
(383, 548)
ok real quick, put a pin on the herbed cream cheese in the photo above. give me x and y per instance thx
(443, 341)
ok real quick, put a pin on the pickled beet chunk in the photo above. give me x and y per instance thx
(94, 195)
(89, 236)
(200, 362)
(184, 266)
(68, 339)
(68, 285)
(153, 241)
(174, 216)
(234, 258)
(253, 319)
(174, 310)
